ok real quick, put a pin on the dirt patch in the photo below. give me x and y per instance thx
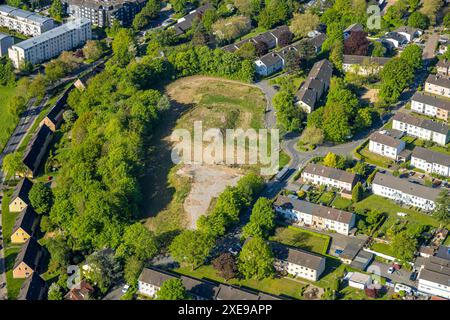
(207, 183)
(371, 95)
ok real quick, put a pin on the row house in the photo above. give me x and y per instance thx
(443, 67)
(431, 105)
(405, 192)
(33, 288)
(438, 84)
(297, 262)
(36, 150)
(401, 36)
(331, 177)
(421, 128)
(363, 65)
(26, 22)
(388, 143)
(185, 23)
(29, 260)
(434, 276)
(431, 161)
(315, 86)
(309, 214)
(19, 199)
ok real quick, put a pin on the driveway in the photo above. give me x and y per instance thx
(399, 276)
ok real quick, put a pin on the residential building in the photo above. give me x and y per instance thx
(359, 280)
(352, 28)
(443, 67)
(227, 292)
(431, 105)
(151, 280)
(438, 84)
(387, 143)
(103, 13)
(54, 117)
(317, 41)
(431, 161)
(316, 216)
(200, 289)
(19, 198)
(52, 43)
(269, 63)
(421, 128)
(82, 291)
(297, 262)
(434, 277)
(26, 22)
(363, 65)
(409, 33)
(394, 40)
(405, 192)
(185, 23)
(36, 150)
(332, 177)
(6, 41)
(33, 288)
(25, 225)
(28, 260)
(315, 85)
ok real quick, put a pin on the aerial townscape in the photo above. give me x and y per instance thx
(98, 204)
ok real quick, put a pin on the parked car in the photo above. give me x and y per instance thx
(125, 288)
(403, 287)
(413, 276)
(391, 270)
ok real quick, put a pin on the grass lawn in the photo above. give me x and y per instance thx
(326, 198)
(341, 203)
(276, 286)
(8, 218)
(374, 158)
(383, 248)
(284, 159)
(13, 284)
(7, 121)
(303, 239)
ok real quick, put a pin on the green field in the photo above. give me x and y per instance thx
(383, 248)
(12, 284)
(341, 203)
(7, 121)
(374, 158)
(303, 239)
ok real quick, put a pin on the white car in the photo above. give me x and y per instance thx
(391, 270)
(403, 287)
(125, 288)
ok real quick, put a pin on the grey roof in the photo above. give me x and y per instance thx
(313, 87)
(353, 59)
(155, 277)
(422, 122)
(30, 254)
(33, 288)
(318, 40)
(186, 24)
(271, 59)
(53, 33)
(406, 29)
(443, 252)
(362, 259)
(26, 220)
(386, 138)
(21, 190)
(97, 4)
(405, 186)
(307, 95)
(350, 251)
(277, 32)
(200, 288)
(436, 270)
(432, 100)
(234, 293)
(314, 209)
(35, 146)
(431, 156)
(265, 37)
(438, 80)
(4, 35)
(30, 16)
(297, 256)
(354, 27)
(230, 47)
(332, 173)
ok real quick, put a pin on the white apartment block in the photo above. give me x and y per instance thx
(431, 105)
(438, 84)
(405, 192)
(28, 23)
(332, 177)
(421, 128)
(431, 161)
(298, 263)
(309, 214)
(52, 43)
(434, 277)
(150, 281)
(387, 143)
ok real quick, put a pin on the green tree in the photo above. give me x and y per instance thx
(412, 55)
(137, 241)
(262, 219)
(41, 197)
(7, 76)
(178, 5)
(250, 186)
(442, 210)
(418, 20)
(289, 116)
(446, 21)
(16, 106)
(256, 259)
(395, 77)
(378, 50)
(54, 292)
(336, 124)
(312, 135)
(404, 245)
(103, 270)
(56, 10)
(363, 118)
(331, 160)
(191, 247)
(93, 50)
(59, 253)
(357, 192)
(12, 165)
(337, 54)
(301, 24)
(132, 270)
(172, 289)
(123, 47)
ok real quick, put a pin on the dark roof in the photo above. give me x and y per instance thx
(265, 37)
(26, 220)
(230, 47)
(297, 256)
(21, 190)
(406, 29)
(422, 122)
(350, 251)
(384, 137)
(200, 288)
(234, 293)
(443, 252)
(332, 173)
(431, 156)
(439, 80)
(55, 113)
(405, 186)
(354, 27)
(353, 59)
(318, 40)
(270, 59)
(265, 296)
(436, 270)
(314, 209)
(33, 288)
(186, 24)
(277, 32)
(313, 87)
(432, 100)
(29, 254)
(155, 277)
(362, 259)
(35, 146)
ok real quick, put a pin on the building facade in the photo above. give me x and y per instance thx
(362, 65)
(405, 192)
(332, 177)
(431, 161)
(431, 105)
(434, 277)
(387, 143)
(52, 43)
(6, 41)
(421, 128)
(25, 22)
(443, 67)
(438, 84)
